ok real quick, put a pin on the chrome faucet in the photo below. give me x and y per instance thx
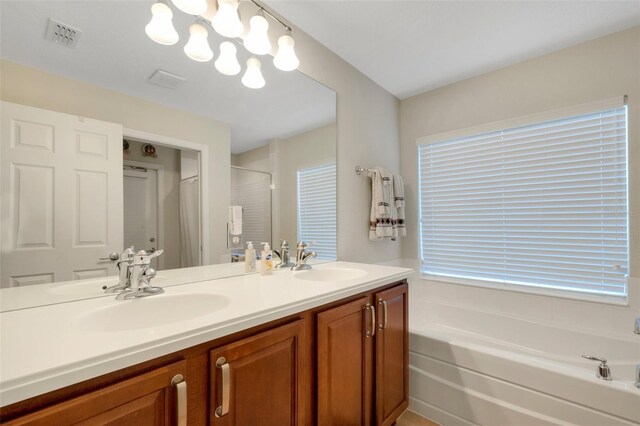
(603, 372)
(302, 255)
(284, 255)
(124, 265)
(140, 277)
(636, 330)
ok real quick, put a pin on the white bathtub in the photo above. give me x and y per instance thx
(475, 368)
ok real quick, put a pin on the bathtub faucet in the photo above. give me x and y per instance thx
(603, 372)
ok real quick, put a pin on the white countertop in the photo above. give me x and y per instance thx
(50, 347)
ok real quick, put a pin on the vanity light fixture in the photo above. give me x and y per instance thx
(198, 46)
(222, 16)
(252, 77)
(227, 63)
(191, 7)
(160, 29)
(226, 21)
(286, 59)
(257, 40)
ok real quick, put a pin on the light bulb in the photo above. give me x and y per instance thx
(160, 28)
(257, 40)
(226, 22)
(227, 63)
(197, 48)
(286, 59)
(252, 77)
(191, 7)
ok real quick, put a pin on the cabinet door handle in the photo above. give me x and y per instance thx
(180, 384)
(372, 310)
(223, 408)
(383, 324)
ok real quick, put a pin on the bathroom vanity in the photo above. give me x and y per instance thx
(324, 346)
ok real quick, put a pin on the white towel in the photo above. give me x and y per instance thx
(382, 220)
(235, 220)
(398, 190)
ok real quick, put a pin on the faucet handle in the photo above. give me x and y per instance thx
(112, 257)
(594, 358)
(302, 245)
(603, 372)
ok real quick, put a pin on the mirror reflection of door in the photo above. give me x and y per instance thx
(141, 209)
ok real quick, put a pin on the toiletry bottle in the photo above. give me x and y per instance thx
(250, 258)
(266, 262)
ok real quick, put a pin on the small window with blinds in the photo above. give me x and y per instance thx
(317, 209)
(538, 207)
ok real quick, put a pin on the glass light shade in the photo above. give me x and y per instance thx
(252, 77)
(197, 48)
(212, 8)
(227, 63)
(160, 29)
(286, 59)
(192, 7)
(226, 21)
(257, 40)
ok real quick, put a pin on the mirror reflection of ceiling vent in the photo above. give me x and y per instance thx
(62, 34)
(166, 79)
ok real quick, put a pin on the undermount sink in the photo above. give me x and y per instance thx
(89, 288)
(152, 311)
(330, 274)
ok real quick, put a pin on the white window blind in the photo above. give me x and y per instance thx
(542, 205)
(317, 209)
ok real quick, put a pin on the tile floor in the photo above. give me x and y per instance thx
(409, 418)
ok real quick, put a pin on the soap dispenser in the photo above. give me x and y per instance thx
(266, 261)
(250, 258)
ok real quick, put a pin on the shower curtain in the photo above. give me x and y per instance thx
(189, 222)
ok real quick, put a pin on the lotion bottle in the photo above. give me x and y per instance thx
(266, 261)
(250, 258)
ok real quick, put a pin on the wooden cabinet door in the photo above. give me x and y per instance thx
(257, 380)
(148, 399)
(392, 354)
(345, 364)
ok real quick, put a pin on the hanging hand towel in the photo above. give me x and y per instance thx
(398, 190)
(383, 211)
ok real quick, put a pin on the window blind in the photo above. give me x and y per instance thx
(542, 205)
(317, 209)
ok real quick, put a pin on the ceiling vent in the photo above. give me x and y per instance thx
(62, 33)
(166, 79)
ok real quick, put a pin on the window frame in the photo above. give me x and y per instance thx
(593, 107)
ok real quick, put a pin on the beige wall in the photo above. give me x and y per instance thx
(595, 70)
(169, 159)
(29, 86)
(298, 152)
(368, 132)
(283, 158)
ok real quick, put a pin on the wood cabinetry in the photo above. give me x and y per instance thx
(148, 399)
(392, 354)
(256, 381)
(345, 363)
(363, 359)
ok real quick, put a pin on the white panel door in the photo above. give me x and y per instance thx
(61, 204)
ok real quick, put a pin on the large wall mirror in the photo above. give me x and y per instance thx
(117, 141)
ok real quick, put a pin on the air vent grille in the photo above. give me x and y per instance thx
(63, 34)
(166, 79)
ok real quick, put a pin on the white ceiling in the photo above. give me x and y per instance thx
(114, 52)
(409, 47)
